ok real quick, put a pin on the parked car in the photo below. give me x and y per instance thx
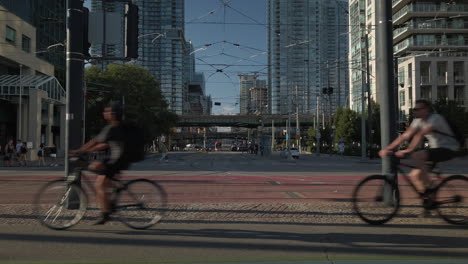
(294, 153)
(191, 147)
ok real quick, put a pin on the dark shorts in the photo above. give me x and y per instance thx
(112, 168)
(440, 154)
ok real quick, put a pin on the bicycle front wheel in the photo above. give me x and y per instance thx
(141, 204)
(452, 199)
(369, 203)
(60, 205)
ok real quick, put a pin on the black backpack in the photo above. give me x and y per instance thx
(134, 147)
(457, 133)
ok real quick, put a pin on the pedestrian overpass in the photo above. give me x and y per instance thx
(248, 121)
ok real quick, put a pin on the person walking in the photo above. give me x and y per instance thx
(9, 153)
(22, 154)
(163, 150)
(40, 155)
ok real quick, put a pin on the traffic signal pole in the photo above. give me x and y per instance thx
(384, 81)
(74, 79)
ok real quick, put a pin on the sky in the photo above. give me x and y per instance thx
(230, 39)
(242, 48)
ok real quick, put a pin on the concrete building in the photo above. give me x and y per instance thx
(31, 99)
(258, 100)
(431, 43)
(48, 17)
(246, 83)
(307, 48)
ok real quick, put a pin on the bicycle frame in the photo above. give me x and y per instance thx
(399, 171)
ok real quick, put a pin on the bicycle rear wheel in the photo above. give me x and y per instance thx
(141, 204)
(60, 205)
(452, 199)
(369, 203)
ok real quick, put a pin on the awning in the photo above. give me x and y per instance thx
(10, 87)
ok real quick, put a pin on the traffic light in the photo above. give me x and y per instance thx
(86, 44)
(131, 25)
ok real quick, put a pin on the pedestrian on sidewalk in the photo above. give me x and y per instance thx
(341, 147)
(9, 153)
(22, 154)
(40, 155)
(163, 151)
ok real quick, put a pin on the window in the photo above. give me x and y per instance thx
(10, 35)
(442, 92)
(26, 44)
(402, 98)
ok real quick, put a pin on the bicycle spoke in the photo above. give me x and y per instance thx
(451, 199)
(141, 204)
(60, 205)
(369, 202)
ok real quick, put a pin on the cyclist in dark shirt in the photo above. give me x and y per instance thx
(110, 138)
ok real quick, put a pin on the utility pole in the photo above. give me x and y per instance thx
(272, 135)
(369, 100)
(104, 48)
(20, 110)
(74, 79)
(363, 112)
(317, 128)
(298, 131)
(384, 71)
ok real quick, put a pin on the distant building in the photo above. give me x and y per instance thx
(307, 49)
(258, 100)
(161, 44)
(246, 83)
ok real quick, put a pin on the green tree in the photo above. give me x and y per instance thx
(144, 103)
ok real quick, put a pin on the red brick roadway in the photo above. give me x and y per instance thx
(216, 189)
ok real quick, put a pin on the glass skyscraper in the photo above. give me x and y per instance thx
(161, 46)
(307, 47)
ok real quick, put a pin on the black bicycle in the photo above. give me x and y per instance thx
(449, 197)
(61, 204)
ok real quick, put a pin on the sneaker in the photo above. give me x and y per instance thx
(103, 219)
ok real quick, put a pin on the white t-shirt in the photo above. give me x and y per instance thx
(437, 140)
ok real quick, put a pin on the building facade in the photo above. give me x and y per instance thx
(258, 100)
(116, 49)
(247, 82)
(32, 101)
(431, 46)
(307, 48)
(48, 17)
(162, 45)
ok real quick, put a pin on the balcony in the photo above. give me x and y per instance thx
(459, 79)
(398, 4)
(443, 80)
(425, 80)
(428, 10)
